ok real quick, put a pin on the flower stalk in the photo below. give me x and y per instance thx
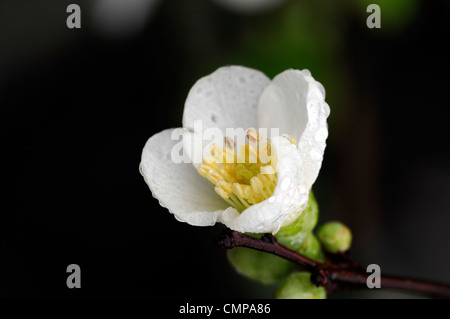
(338, 272)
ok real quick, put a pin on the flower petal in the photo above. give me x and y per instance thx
(289, 198)
(178, 186)
(227, 98)
(295, 104)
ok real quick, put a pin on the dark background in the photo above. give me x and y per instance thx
(77, 106)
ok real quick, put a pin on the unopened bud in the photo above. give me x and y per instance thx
(311, 248)
(335, 237)
(258, 265)
(298, 285)
(305, 222)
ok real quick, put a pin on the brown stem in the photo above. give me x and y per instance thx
(229, 239)
(393, 282)
(333, 277)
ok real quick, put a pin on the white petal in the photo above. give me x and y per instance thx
(289, 199)
(227, 98)
(178, 187)
(295, 104)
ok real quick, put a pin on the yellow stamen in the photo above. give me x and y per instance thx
(253, 136)
(245, 177)
(214, 176)
(291, 139)
(229, 143)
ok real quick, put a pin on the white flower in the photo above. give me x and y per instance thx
(239, 97)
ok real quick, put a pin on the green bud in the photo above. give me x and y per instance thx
(299, 286)
(292, 242)
(293, 235)
(335, 237)
(258, 265)
(311, 248)
(305, 222)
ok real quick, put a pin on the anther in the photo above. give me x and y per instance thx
(229, 143)
(253, 136)
(244, 177)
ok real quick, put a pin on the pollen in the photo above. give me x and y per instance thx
(243, 175)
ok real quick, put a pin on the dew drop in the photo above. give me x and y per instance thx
(315, 154)
(321, 88)
(321, 134)
(306, 72)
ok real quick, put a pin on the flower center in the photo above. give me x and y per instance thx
(242, 178)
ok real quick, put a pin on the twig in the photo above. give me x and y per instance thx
(341, 276)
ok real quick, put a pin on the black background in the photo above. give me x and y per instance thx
(77, 109)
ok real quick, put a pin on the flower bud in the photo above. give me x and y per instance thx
(299, 286)
(293, 242)
(292, 235)
(258, 265)
(311, 248)
(335, 237)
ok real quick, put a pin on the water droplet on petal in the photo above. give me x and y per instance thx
(326, 109)
(315, 154)
(306, 72)
(321, 134)
(321, 88)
